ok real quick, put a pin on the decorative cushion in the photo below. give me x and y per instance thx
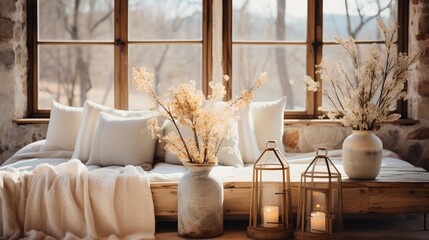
(246, 131)
(86, 131)
(88, 124)
(228, 155)
(122, 141)
(63, 127)
(268, 122)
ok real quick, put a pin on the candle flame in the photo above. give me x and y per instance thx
(318, 205)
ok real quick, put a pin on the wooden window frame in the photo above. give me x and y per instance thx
(314, 45)
(120, 44)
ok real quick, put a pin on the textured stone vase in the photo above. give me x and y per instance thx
(362, 155)
(200, 203)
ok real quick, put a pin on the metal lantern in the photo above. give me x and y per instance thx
(271, 205)
(320, 206)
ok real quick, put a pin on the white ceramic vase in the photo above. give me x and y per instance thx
(362, 155)
(200, 203)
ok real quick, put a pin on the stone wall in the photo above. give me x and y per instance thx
(411, 142)
(13, 80)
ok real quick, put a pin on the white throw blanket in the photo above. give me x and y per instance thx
(69, 202)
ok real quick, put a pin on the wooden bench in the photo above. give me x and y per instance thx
(396, 190)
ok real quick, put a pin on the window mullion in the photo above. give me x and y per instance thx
(319, 53)
(314, 53)
(207, 45)
(403, 17)
(227, 44)
(121, 54)
(311, 43)
(32, 45)
(32, 57)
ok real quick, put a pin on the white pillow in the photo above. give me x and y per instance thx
(86, 131)
(268, 122)
(246, 131)
(63, 127)
(88, 124)
(122, 141)
(228, 155)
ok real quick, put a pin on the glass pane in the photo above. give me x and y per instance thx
(165, 19)
(269, 20)
(335, 53)
(284, 65)
(76, 20)
(172, 64)
(361, 22)
(74, 73)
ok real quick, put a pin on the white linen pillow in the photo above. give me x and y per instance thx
(122, 141)
(88, 124)
(228, 155)
(268, 122)
(63, 127)
(246, 131)
(86, 131)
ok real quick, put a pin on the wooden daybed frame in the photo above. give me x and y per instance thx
(396, 190)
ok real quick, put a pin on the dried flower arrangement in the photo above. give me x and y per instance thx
(186, 107)
(379, 81)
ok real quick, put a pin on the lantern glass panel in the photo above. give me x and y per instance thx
(270, 205)
(271, 212)
(316, 210)
(320, 203)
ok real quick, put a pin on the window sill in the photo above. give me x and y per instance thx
(408, 121)
(23, 121)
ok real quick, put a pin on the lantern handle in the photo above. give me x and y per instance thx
(271, 142)
(324, 154)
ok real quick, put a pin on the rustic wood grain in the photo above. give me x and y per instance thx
(396, 190)
(399, 200)
(165, 201)
(355, 200)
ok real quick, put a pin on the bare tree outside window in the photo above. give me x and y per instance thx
(73, 67)
(282, 69)
(166, 37)
(76, 48)
(357, 19)
(270, 36)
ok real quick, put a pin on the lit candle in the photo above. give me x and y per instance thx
(318, 222)
(271, 216)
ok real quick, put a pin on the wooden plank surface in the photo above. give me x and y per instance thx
(237, 201)
(399, 200)
(355, 200)
(396, 190)
(165, 201)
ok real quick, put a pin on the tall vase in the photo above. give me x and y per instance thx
(200, 203)
(362, 155)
